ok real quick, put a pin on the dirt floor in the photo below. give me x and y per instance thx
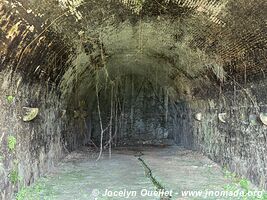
(165, 173)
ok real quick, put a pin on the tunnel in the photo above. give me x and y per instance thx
(141, 94)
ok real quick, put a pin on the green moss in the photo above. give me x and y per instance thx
(10, 99)
(11, 143)
(14, 176)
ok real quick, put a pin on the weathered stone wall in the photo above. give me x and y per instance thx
(239, 143)
(37, 144)
(27, 79)
(142, 117)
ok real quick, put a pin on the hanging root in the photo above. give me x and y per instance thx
(100, 121)
(111, 119)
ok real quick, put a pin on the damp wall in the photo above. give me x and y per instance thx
(27, 149)
(229, 130)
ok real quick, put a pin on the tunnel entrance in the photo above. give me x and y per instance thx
(129, 111)
(122, 103)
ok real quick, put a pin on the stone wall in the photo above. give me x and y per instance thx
(239, 143)
(37, 144)
(28, 78)
(143, 116)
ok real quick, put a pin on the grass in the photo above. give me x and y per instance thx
(34, 192)
(242, 185)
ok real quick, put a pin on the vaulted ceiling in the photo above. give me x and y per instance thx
(189, 46)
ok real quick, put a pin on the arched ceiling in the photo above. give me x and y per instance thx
(197, 44)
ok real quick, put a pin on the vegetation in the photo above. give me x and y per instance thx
(242, 184)
(35, 192)
(10, 99)
(14, 176)
(11, 143)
